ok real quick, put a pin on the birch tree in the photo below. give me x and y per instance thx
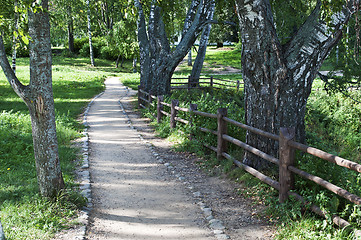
(157, 60)
(278, 77)
(90, 34)
(198, 63)
(38, 96)
(15, 38)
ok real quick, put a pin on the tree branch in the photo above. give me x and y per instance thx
(18, 87)
(316, 34)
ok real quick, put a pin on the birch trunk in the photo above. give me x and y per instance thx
(198, 63)
(2, 234)
(157, 61)
(38, 96)
(190, 58)
(15, 39)
(90, 34)
(70, 30)
(278, 79)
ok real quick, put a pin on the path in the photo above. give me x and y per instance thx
(133, 196)
(142, 190)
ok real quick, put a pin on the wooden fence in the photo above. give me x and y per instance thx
(286, 183)
(205, 82)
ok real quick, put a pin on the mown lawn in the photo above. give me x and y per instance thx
(23, 213)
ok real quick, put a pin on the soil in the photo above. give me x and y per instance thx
(142, 189)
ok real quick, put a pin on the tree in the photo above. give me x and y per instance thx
(278, 77)
(2, 234)
(228, 28)
(90, 34)
(157, 59)
(198, 63)
(15, 39)
(38, 96)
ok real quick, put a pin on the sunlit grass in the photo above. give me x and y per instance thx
(23, 213)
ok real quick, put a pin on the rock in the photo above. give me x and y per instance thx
(216, 224)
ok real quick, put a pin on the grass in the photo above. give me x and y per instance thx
(332, 125)
(23, 212)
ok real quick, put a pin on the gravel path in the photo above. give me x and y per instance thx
(143, 190)
(133, 196)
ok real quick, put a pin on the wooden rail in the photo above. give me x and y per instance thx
(190, 83)
(285, 161)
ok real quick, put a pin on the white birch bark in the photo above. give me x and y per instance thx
(278, 79)
(157, 60)
(90, 34)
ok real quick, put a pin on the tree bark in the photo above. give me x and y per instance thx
(70, 30)
(157, 61)
(198, 63)
(90, 34)
(38, 96)
(278, 78)
(15, 39)
(2, 234)
(190, 58)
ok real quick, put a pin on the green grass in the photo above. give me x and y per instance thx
(23, 212)
(333, 125)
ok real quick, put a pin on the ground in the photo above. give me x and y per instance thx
(192, 191)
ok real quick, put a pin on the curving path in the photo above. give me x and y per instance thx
(133, 196)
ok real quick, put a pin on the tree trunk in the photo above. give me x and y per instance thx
(38, 96)
(15, 39)
(190, 58)
(90, 35)
(198, 63)
(134, 65)
(2, 234)
(278, 79)
(70, 31)
(157, 61)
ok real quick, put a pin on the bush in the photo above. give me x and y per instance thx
(107, 52)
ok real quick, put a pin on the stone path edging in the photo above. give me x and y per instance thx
(215, 224)
(84, 178)
(85, 186)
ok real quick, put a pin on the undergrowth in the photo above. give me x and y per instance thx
(332, 125)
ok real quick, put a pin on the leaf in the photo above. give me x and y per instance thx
(25, 39)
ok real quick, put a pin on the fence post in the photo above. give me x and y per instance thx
(222, 129)
(287, 158)
(189, 82)
(150, 99)
(211, 82)
(192, 107)
(159, 108)
(139, 95)
(237, 85)
(173, 113)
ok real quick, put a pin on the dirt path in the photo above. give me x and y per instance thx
(132, 195)
(142, 190)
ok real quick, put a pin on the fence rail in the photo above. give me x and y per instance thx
(205, 82)
(286, 159)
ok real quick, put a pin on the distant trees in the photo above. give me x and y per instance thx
(278, 73)
(38, 96)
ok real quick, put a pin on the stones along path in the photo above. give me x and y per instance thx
(133, 195)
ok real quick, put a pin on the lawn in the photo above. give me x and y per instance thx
(23, 213)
